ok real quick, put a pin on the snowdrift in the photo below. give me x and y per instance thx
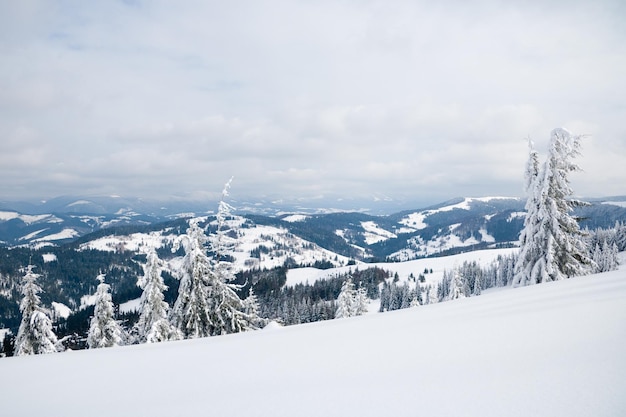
(547, 350)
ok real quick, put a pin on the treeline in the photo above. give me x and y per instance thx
(304, 303)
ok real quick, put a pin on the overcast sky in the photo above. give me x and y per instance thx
(306, 99)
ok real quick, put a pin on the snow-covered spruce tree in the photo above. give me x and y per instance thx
(190, 314)
(551, 244)
(251, 309)
(104, 330)
(228, 312)
(362, 301)
(153, 324)
(477, 290)
(346, 301)
(207, 303)
(35, 335)
(457, 286)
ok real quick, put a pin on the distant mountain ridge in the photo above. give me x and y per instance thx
(452, 226)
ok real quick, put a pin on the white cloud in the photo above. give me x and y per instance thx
(302, 99)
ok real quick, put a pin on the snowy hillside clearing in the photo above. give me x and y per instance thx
(27, 218)
(403, 269)
(553, 349)
(418, 220)
(273, 245)
(374, 233)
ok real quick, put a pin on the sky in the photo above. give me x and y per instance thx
(402, 100)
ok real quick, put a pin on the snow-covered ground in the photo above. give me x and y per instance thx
(554, 349)
(403, 269)
(374, 233)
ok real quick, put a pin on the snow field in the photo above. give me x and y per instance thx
(403, 269)
(553, 349)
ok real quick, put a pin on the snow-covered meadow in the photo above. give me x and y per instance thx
(554, 349)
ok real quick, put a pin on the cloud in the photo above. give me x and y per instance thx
(304, 99)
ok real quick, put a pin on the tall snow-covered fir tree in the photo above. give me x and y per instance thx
(551, 244)
(104, 330)
(35, 335)
(229, 314)
(153, 324)
(208, 303)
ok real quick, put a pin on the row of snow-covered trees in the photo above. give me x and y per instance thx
(207, 303)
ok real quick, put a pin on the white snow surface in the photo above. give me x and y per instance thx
(418, 220)
(61, 309)
(438, 244)
(516, 214)
(403, 269)
(548, 350)
(415, 220)
(32, 234)
(374, 233)
(615, 203)
(485, 236)
(63, 234)
(130, 306)
(136, 242)
(295, 218)
(28, 218)
(49, 257)
(465, 204)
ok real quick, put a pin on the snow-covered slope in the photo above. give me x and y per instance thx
(554, 349)
(258, 246)
(403, 269)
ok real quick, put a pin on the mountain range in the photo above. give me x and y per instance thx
(456, 225)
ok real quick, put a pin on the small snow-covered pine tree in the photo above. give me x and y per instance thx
(530, 260)
(416, 296)
(361, 302)
(346, 300)
(251, 309)
(35, 335)
(104, 330)
(153, 324)
(227, 310)
(457, 286)
(477, 290)
(190, 314)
